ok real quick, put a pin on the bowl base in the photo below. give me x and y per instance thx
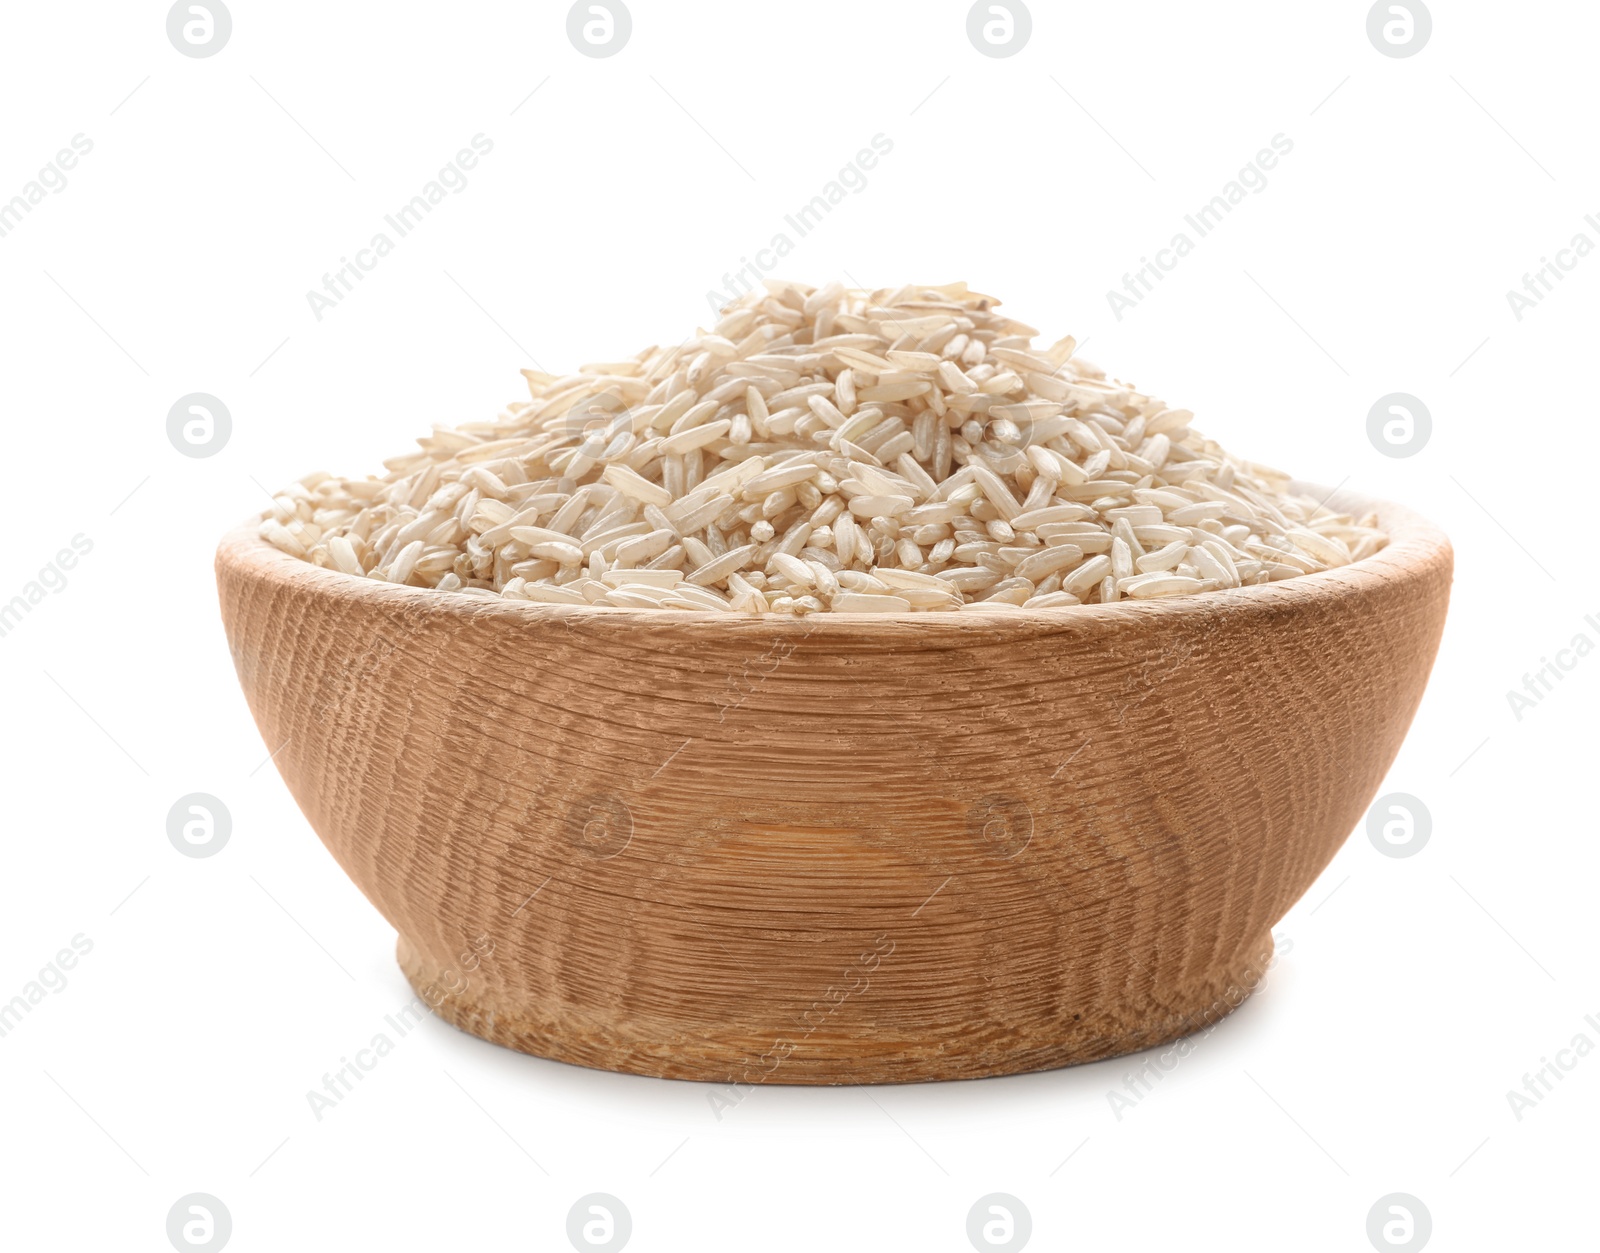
(859, 1052)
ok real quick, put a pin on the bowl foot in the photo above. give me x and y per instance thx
(838, 1044)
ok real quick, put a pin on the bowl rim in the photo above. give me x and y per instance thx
(1416, 546)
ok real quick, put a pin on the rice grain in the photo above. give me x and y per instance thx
(825, 449)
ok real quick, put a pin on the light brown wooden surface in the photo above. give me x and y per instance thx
(847, 848)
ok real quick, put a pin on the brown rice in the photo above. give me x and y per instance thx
(825, 449)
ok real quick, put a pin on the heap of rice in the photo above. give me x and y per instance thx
(825, 449)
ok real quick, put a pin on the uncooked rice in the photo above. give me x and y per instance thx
(825, 449)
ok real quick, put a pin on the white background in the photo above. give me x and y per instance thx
(177, 259)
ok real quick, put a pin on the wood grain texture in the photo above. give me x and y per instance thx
(847, 848)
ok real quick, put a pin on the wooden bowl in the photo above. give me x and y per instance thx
(849, 848)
